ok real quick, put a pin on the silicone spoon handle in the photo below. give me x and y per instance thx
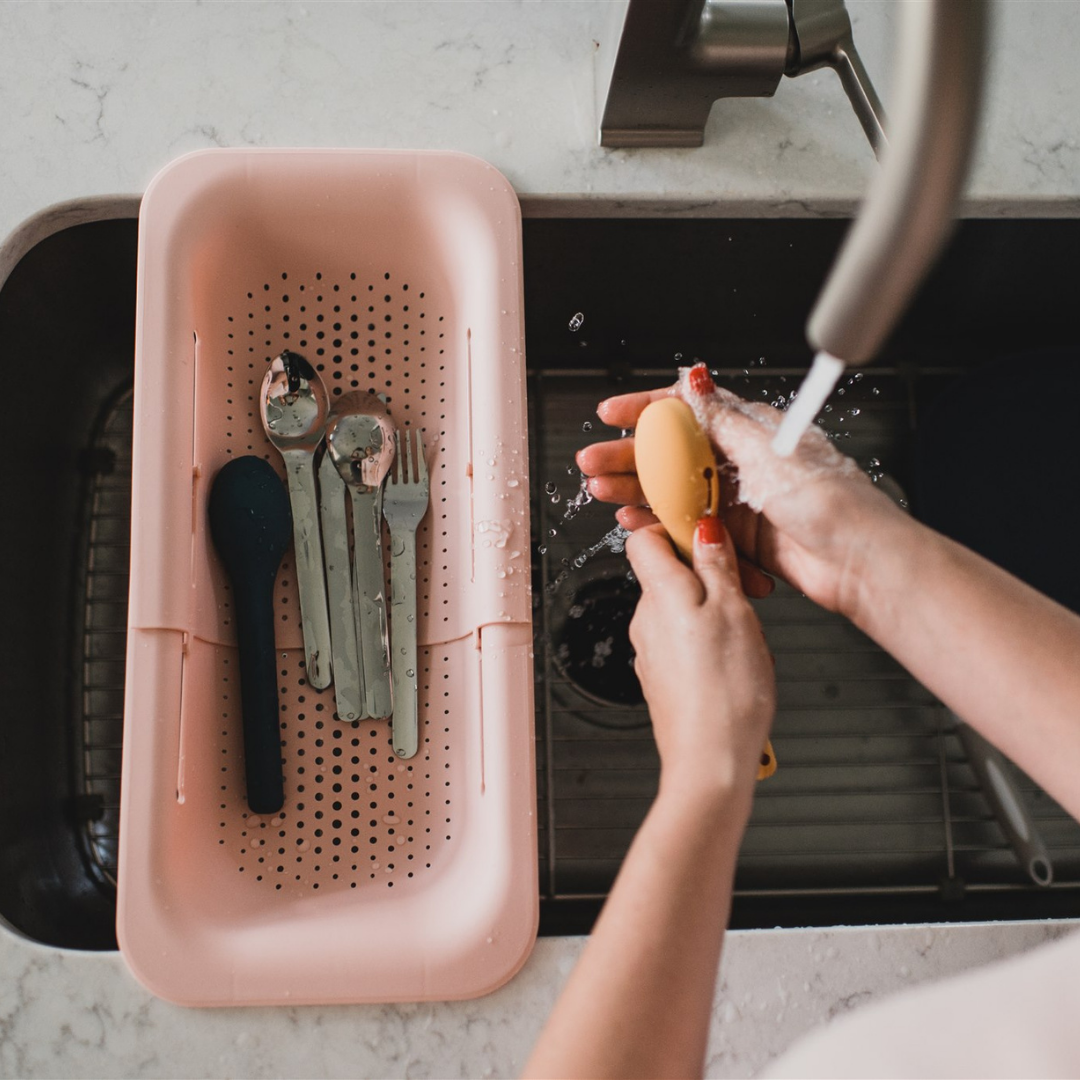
(250, 524)
(254, 597)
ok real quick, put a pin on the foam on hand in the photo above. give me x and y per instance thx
(823, 376)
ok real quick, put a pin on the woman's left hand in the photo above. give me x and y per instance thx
(702, 661)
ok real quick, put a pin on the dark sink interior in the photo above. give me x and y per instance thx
(729, 292)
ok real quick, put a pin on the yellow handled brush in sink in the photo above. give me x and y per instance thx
(678, 474)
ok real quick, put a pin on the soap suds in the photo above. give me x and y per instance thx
(744, 431)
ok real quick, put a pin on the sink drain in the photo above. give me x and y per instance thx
(590, 641)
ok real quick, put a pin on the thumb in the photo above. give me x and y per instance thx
(715, 562)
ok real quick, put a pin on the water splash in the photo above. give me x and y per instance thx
(614, 541)
(581, 499)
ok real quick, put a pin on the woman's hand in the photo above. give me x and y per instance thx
(639, 1001)
(814, 514)
(703, 663)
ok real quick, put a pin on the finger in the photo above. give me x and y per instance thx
(616, 456)
(635, 517)
(623, 411)
(615, 488)
(755, 582)
(714, 558)
(657, 567)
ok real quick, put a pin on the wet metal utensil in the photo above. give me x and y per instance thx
(294, 414)
(360, 440)
(404, 504)
(348, 675)
(249, 524)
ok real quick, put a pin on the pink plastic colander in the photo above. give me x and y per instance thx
(381, 879)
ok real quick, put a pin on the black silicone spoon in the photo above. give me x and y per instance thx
(251, 527)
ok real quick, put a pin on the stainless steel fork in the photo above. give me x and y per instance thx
(405, 501)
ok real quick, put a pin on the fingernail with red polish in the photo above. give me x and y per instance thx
(700, 380)
(710, 530)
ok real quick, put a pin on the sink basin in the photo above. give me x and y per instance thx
(66, 320)
(875, 815)
(822, 849)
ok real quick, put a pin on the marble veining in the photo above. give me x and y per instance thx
(98, 97)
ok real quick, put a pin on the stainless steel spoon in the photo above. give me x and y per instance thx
(294, 411)
(360, 439)
(348, 675)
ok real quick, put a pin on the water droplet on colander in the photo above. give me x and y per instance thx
(542, 549)
(409, 673)
(577, 320)
(587, 426)
(551, 487)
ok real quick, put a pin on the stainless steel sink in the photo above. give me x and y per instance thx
(67, 326)
(874, 815)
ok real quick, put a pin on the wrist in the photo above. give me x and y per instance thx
(707, 796)
(878, 574)
(883, 536)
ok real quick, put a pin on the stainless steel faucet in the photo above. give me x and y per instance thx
(676, 57)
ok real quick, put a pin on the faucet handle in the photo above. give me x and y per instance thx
(821, 37)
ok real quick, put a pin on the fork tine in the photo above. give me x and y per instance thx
(406, 458)
(393, 477)
(421, 460)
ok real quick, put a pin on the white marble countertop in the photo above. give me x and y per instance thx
(82, 1015)
(98, 97)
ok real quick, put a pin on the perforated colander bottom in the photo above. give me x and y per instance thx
(355, 813)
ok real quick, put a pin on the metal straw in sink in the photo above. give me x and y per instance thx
(405, 501)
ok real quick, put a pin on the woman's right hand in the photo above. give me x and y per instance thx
(810, 518)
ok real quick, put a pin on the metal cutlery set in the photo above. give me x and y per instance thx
(347, 640)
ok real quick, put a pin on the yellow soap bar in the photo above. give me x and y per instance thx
(676, 468)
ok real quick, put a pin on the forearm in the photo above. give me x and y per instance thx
(1002, 656)
(638, 1002)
